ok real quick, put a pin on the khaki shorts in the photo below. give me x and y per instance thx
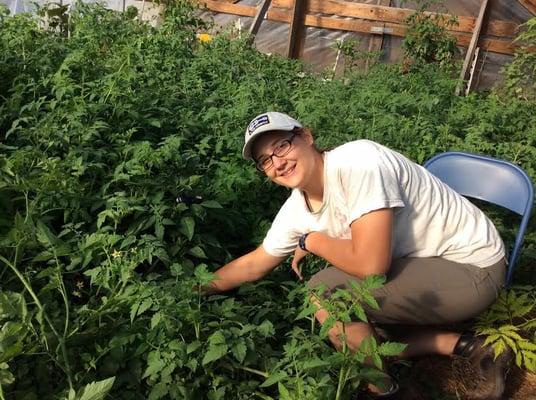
(426, 291)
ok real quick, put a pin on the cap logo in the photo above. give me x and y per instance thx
(257, 122)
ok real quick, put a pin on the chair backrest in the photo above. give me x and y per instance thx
(490, 179)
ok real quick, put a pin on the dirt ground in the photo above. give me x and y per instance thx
(441, 378)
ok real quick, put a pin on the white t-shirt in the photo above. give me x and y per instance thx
(430, 219)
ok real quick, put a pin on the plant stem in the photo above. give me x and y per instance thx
(342, 372)
(63, 293)
(341, 382)
(263, 396)
(45, 316)
(253, 371)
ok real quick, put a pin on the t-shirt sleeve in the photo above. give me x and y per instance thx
(282, 237)
(369, 181)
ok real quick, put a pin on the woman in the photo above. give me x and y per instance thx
(369, 210)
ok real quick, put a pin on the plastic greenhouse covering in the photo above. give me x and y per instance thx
(319, 45)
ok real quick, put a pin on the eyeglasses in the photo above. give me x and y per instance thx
(281, 149)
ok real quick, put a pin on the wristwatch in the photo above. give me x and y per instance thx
(301, 242)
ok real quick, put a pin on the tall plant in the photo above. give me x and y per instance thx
(427, 39)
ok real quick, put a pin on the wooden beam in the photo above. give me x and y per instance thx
(472, 46)
(353, 25)
(530, 5)
(397, 15)
(376, 41)
(472, 72)
(296, 31)
(259, 16)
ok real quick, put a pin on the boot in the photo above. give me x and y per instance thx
(492, 372)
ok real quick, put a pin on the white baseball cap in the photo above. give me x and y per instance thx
(266, 122)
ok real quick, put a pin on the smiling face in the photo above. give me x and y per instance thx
(298, 167)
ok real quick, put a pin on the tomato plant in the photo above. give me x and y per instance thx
(122, 188)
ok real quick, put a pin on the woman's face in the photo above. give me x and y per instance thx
(295, 168)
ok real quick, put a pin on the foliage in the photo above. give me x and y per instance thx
(511, 322)
(123, 188)
(520, 74)
(352, 52)
(427, 40)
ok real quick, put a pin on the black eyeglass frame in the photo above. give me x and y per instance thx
(271, 156)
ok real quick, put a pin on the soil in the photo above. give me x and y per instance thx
(442, 378)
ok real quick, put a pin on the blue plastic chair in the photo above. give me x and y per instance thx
(492, 180)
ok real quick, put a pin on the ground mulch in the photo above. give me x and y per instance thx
(443, 378)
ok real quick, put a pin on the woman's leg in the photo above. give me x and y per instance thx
(423, 293)
(355, 332)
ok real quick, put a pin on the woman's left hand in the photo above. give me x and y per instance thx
(299, 254)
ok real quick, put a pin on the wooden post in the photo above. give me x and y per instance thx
(472, 71)
(503, 30)
(257, 20)
(376, 40)
(530, 5)
(472, 46)
(295, 38)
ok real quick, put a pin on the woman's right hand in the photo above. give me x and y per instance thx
(298, 257)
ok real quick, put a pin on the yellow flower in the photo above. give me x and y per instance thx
(116, 254)
(204, 37)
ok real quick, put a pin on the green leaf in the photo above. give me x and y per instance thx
(508, 328)
(326, 326)
(284, 394)
(134, 311)
(491, 338)
(44, 235)
(266, 328)
(159, 230)
(239, 351)
(368, 345)
(315, 363)
(211, 204)
(377, 361)
(145, 305)
(371, 301)
(158, 391)
(527, 345)
(519, 358)
(155, 320)
(204, 277)
(307, 311)
(217, 348)
(155, 364)
(215, 352)
(197, 252)
(498, 347)
(510, 343)
(187, 227)
(96, 390)
(359, 312)
(6, 377)
(12, 305)
(391, 348)
(274, 378)
(217, 394)
(193, 346)
(530, 363)
(373, 282)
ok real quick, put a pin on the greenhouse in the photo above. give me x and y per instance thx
(254, 199)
